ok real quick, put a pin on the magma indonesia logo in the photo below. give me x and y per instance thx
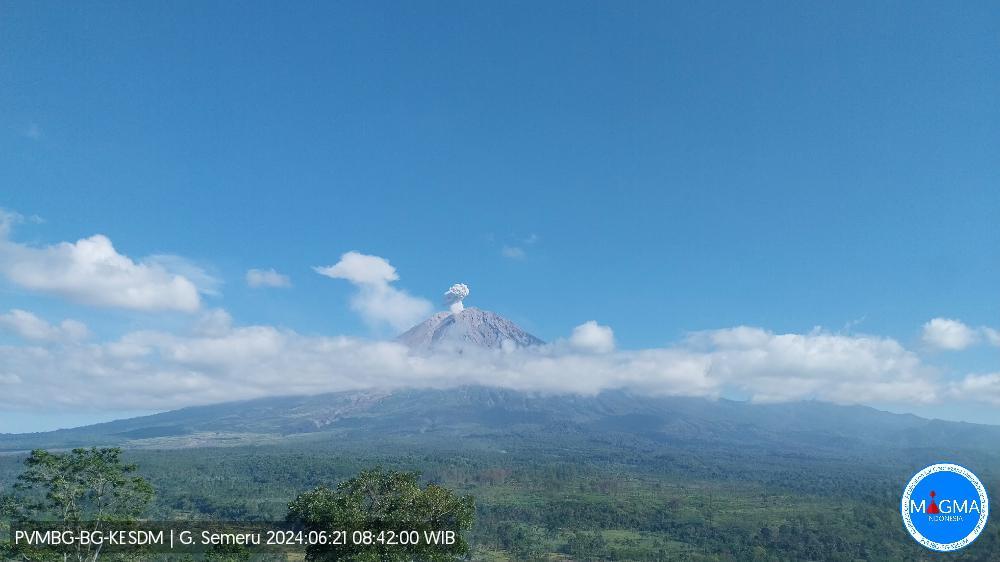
(945, 507)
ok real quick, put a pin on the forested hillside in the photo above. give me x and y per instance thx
(609, 478)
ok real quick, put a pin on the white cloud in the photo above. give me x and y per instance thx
(838, 368)
(7, 221)
(991, 335)
(513, 252)
(9, 218)
(944, 333)
(377, 301)
(90, 271)
(214, 323)
(31, 327)
(361, 269)
(982, 388)
(593, 337)
(954, 335)
(267, 278)
(205, 282)
(158, 370)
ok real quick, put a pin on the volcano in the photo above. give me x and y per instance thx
(471, 327)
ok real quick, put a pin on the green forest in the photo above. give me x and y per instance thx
(546, 502)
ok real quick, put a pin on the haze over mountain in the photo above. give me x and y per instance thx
(479, 416)
(495, 417)
(498, 419)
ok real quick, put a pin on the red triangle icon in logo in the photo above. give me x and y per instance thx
(933, 508)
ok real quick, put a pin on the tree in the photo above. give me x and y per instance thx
(85, 489)
(374, 508)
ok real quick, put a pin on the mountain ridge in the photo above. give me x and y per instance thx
(491, 414)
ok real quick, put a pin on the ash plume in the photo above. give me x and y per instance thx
(454, 295)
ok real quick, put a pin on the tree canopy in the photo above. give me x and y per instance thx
(385, 504)
(81, 489)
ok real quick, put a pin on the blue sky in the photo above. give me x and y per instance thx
(662, 168)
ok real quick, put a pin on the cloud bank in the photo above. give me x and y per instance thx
(57, 365)
(219, 362)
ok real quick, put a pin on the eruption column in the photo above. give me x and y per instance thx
(453, 297)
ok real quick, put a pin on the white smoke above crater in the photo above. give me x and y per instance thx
(454, 296)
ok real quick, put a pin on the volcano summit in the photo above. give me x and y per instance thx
(470, 327)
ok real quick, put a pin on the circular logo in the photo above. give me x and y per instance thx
(945, 507)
